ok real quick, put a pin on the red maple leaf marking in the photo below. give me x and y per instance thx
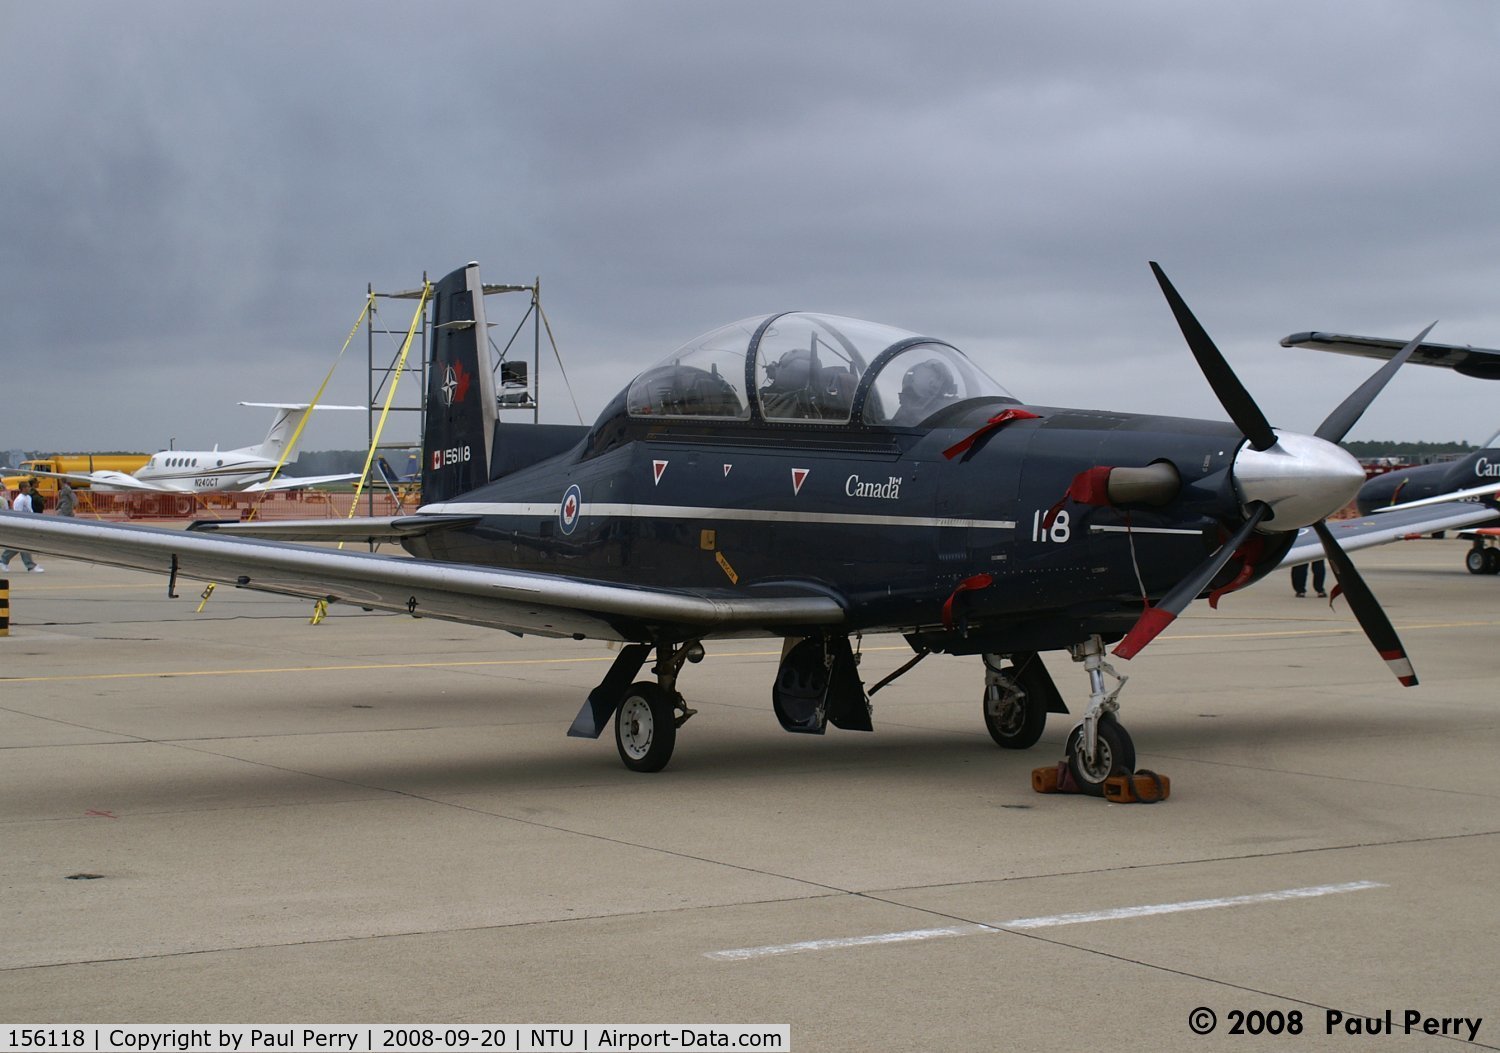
(461, 380)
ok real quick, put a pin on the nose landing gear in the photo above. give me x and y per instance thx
(1100, 747)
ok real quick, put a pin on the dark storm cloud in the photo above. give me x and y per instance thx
(197, 194)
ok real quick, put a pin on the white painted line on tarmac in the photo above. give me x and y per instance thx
(1044, 922)
(1118, 913)
(910, 935)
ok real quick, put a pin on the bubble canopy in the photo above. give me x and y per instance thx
(814, 368)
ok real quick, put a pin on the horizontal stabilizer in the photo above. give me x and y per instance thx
(299, 406)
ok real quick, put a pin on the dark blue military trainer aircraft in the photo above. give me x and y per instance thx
(812, 478)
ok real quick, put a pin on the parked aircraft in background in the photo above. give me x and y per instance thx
(1449, 495)
(812, 478)
(242, 470)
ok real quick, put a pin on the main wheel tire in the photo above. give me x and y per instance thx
(1492, 561)
(1474, 560)
(1114, 755)
(1019, 717)
(645, 728)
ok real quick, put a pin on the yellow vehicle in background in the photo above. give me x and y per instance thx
(73, 462)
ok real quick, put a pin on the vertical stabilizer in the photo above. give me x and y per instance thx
(461, 412)
(287, 419)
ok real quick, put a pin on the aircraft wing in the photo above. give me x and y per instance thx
(112, 480)
(518, 601)
(296, 482)
(1471, 361)
(359, 529)
(1453, 495)
(1385, 527)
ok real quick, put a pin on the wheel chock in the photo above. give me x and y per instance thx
(1143, 787)
(1056, 778)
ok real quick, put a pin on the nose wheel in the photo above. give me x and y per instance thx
(1100, 747)
(1114, 754)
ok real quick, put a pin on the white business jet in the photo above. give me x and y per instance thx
(244, 470)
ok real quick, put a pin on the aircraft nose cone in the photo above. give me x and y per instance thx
(1302, 478)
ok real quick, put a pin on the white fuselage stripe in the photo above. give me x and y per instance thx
(1142, 530)
(1043, 922)
(598, 509)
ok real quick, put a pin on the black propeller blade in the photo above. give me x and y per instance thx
(1154, 619)
(1366, 608)
(1248, 417)
(1342, 419)
(1232, 394)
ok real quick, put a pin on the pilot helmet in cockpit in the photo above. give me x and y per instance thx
(928, 380)
(790, 372)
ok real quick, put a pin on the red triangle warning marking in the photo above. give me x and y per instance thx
(799, 475)
(657, 467)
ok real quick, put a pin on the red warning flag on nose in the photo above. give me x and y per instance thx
(999, 420)
(978, 581)
(1089, 487)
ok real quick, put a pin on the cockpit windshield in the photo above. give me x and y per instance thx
(810, 367)
(919, 380)
(703, 378)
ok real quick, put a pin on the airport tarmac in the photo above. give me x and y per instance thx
(239, 817)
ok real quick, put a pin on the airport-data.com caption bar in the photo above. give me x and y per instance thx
(369, 1038)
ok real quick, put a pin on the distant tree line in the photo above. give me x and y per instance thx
(1419, 452)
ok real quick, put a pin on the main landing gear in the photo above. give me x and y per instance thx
(1482, 558)
(817, 684)
(649, 715)
(1018, 695)
(646, 715)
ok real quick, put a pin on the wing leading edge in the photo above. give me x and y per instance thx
(1369, 531)
(518, 601)
(1481, 362)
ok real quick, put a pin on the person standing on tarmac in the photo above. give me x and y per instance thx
(1299, 578)
(67, 500)
(22, 504)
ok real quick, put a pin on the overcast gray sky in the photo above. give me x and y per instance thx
(195, 195)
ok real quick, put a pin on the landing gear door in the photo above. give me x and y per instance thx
(817, 683)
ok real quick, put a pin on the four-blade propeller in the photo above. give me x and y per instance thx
(1302, 455)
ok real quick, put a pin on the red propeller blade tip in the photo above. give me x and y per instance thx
(1151, 622)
